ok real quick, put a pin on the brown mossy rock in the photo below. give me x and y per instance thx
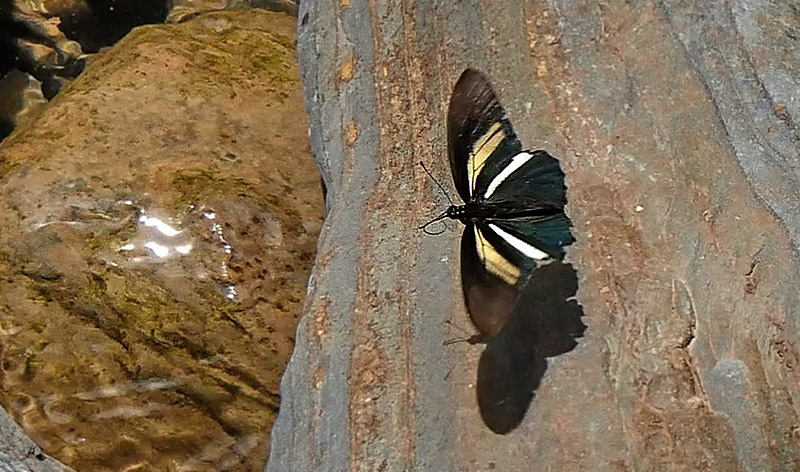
(184, 9)
(676, 125)
(160, 219)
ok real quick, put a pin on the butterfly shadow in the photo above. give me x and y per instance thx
(545, 323)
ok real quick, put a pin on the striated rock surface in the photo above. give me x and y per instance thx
(160, 218)
(676, 124)
(19, 453)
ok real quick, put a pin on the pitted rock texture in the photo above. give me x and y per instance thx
(676, 125)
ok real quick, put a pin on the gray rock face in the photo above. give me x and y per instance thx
(19, 453)
(676, 125)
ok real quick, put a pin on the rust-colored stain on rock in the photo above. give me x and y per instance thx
(319, 377)
(320, 324)
(348, 69)
(367, 372)
(351, 134)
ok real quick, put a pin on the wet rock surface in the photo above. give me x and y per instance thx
(160, 219)
(676, 127)
(183, 9)
(53, 40)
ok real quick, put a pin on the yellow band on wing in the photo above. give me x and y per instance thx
(481, 150)
(494, 261)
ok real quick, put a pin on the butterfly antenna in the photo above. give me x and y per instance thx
(474, 339)
(424, 227)
(436, 182)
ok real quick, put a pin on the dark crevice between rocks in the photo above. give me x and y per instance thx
(14, 57)
(107, 21)
(6, 127)
(101, 24)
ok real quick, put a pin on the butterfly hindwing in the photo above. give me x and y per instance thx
(547, 235)
(532, 179)
(480, 137)
(532, 190)
(495, 264)
(508, 248)
(489, 282)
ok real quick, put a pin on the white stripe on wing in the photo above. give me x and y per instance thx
(516, 162)
(519, 244)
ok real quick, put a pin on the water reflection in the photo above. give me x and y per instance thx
(225, 454)
(50, 404)
(545, 323)
(165, 324)
(162, 227)
(160, 238)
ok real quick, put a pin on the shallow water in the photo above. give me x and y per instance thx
(159, 223)
(161, 382)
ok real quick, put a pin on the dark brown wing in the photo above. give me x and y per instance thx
(489, 282)
(480, 139)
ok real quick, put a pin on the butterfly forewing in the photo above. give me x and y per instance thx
(532, 180)
(529, 199)
(480, 137)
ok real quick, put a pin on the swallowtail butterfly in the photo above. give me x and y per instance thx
(514, 203)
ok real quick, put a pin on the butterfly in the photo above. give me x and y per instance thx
(513, 204)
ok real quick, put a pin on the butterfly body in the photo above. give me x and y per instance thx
(480, 211)
(513, 208)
